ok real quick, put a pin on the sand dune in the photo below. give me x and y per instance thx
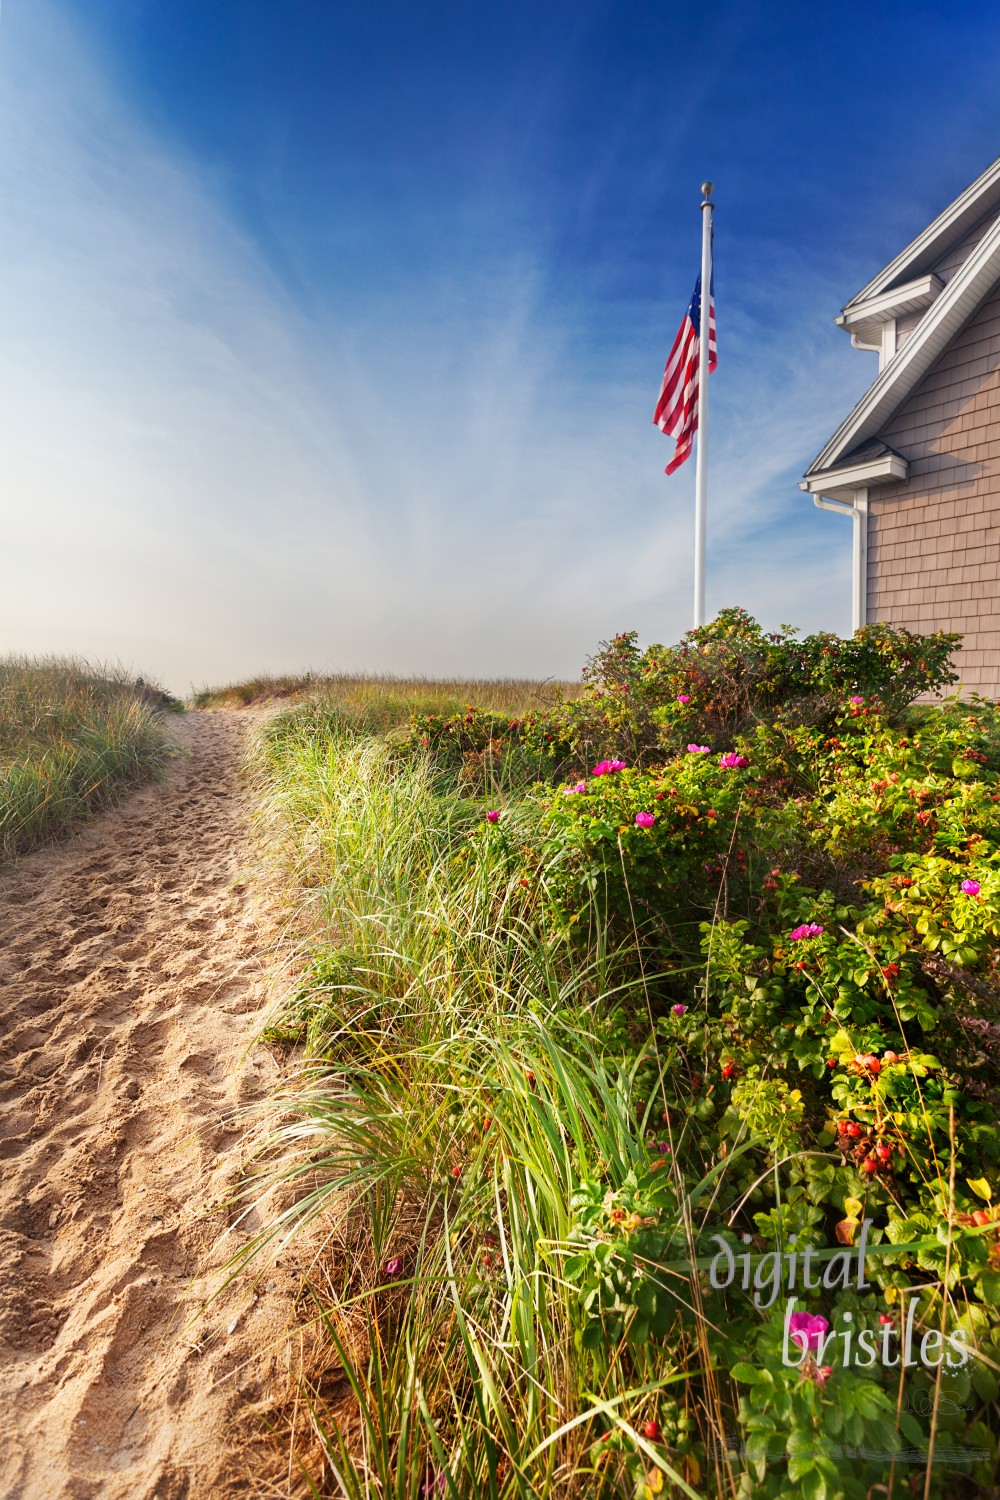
(132, 980)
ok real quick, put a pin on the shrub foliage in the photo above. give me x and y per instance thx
(699, 969)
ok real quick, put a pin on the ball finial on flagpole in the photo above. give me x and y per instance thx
(706, 189)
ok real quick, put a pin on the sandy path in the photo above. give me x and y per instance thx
(131, 982)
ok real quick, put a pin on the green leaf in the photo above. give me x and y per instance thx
(980, 1187)
(989, 1287)
(870, 1400)
(812, 1486)
(854, 1429)
(834, 1421)
(748, 1374)
(985, 1383)
(911, 1429)
(593, 1336)
(638, 1332)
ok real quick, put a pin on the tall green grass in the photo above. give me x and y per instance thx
(72, 738)
(461, 1087)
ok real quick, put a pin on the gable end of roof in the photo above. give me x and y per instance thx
(980, 201)
(943, 321)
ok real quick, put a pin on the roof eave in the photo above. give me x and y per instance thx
(864, 317)
(940, 324)
(891, 468)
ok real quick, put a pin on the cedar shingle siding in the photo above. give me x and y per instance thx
(934, 540)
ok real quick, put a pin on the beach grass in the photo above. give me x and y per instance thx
(73, 737)
(460, 1088)
(382, 701)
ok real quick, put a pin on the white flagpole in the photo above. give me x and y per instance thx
(701, 460)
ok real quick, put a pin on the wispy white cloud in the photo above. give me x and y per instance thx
(201, 477)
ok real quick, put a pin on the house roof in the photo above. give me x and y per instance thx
(979, 201)
(945, 315)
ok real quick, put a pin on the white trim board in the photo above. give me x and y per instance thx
(891, 468)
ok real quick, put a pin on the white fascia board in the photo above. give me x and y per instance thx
(891, 468)
(897, 303)
(969, 287)
(969, 209)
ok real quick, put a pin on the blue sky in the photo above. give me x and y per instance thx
(331, 333)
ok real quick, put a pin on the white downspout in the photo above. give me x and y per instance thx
(859, 572)
(859, 610)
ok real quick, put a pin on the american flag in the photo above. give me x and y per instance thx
(677, 409)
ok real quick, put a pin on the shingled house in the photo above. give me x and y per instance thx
(916, 464)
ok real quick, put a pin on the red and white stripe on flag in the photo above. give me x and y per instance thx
(676, 411)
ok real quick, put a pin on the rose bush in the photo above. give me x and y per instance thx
(816, 908)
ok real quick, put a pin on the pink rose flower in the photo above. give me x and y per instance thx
(645, 819)
(683, 698)
(733, 762)
(394, 1265)
(573, 791)
(678, 1010)
(807, 1329)
(699, 749)
(856, 700)
(971, 887)
(605, 767)
(492, 816)
(807, 930)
